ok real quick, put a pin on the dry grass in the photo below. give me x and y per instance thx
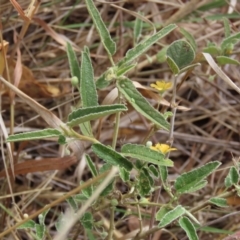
(208, 131)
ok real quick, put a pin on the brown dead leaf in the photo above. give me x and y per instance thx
(46, 164)
(29, 85)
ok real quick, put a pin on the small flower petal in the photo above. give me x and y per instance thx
(163, 148)
(161, 85)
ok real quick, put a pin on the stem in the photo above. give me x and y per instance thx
(74, 134)
(116, 126)
(139, 217)
(111, 228)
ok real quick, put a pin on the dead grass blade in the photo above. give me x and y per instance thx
(46, 164)
(51, 119)
(220, 73)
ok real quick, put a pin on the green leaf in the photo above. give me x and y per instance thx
(147, 174)
(107, 190)
(61, 221)
(189, 180)
(213, 50)
(73, 62)
(233, 39)
(88, 191)
(172, 215)
(105, 167)
(140, 104)
(40, 231)
(181, 53)
(73, 204)
(137, 30)
(222, 60)
(90, 235)
(198, 186)
(220, 202)
(91, 166)
(188, 227)
(87, 220)
(62, 140)
(154, 171)
(106, 39)
(163, 173)
(91, 113)
(102, 82)
(46, 133)
(143, 184)
(162, 212)
(111, 156)
(124, 174)
(80, 198)
(189, 38)
(29, 224)
(161, 55)
(88, 89)
(145, 154)
(173, 66)
(227, 29)
(189, 67)
(143, 46)
(232, 177)
(122, 70)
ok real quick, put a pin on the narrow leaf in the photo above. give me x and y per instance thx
(72, 203)
(28, 224)
(146, 154)
(198, 186)
(92, 113)
(87, 220)
(91, 166)
(140, 104)
(189, 38)
(163, 173)
(227, 29)
(230, 40)
(220, 202)
(73, 62)
(188, 227)
(46, 133)
(124, 174)
(189, 180)
(172, 215)
(106, 39)
(232, 177)
(88, 89)
(137, 30)
(222, 60)
(111, 156)
(143, 46)
(154, 171)
(40, 231)
(162, 212)
(173, 66)
(143, 185)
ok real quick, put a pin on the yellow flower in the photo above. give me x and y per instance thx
(161, 85)
(163, 148)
